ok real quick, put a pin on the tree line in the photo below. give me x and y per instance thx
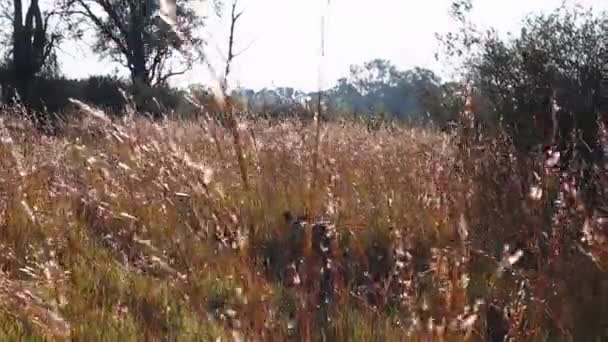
(543, 84)
(130, 33)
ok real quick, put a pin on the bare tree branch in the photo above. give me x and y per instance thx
(242, 51)
(234, 17)
(163, 80)
(102, 26)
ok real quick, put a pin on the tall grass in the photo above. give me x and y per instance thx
(138, 230)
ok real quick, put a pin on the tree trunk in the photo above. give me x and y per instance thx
(140, 76)
(19, 51)
(29, 43)
(139, 72)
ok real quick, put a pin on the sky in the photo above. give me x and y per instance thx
(281, 39)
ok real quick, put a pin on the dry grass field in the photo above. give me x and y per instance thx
(128, 230)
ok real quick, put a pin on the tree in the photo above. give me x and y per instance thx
(378, 86)
(133, 34)
(32, 45)
(345, 98)
(545, 82)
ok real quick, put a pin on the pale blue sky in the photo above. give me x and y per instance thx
(284, 37)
